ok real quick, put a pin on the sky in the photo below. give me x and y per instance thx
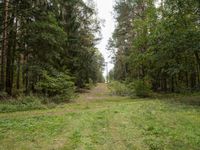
(105, 8)
(105, 12)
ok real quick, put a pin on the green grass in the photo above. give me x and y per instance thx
(24, 103)
(109, 124)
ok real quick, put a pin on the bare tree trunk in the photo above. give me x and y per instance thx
(14, 51)
(18, 72)
(27, 84)
(172, 84)
(11, 53)
(187, 80)
(8, 63)
(5, 43)
(193, 80)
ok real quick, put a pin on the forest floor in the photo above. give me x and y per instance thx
(99, 121)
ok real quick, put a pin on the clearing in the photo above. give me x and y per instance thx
(98, 121)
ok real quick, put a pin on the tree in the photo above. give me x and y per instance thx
(164, 43)
(4, 40)
(57, 37)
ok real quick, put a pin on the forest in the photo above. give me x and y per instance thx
(157, 43)
(59, 92)
(48, 47)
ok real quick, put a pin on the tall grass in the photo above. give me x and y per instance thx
(24, 103)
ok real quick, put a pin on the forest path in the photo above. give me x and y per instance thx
(101, 91)
(97, 120)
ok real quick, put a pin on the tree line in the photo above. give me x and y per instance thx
(48, 46)
(157, 42)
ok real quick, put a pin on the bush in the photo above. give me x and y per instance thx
(22, 104)
(118, 88)
(142, 88)
(60, 88)
(89, 85)
(3, 95)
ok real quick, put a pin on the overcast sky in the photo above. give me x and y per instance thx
(105, 8)
(105, 12)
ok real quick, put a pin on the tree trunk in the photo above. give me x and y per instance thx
(8, 64)
(197, 58)
(4, 43)
(14, 50)
(187, 80)
(193, 80)
(27, 86)
(11, 53)
(172, 84)
(18, 72)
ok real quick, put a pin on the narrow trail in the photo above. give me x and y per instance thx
(97, 120)
(101, 91)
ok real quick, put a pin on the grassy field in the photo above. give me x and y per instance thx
(97, 121)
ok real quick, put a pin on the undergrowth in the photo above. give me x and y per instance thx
(25, 103)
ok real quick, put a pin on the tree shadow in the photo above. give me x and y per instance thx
(192, 100)
(184, 99)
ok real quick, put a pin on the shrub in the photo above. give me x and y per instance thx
(89, 85)
(60, 88)
(142, 88)
(118, 88)
(131, 89)
(22, 104)
(181, 88)
(3, 95)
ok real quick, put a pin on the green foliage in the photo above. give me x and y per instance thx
(60, 87)
(158, 41)
(49, 36)
(89, 85)
(22, 104)
(142, 88)
(118, 88)
(3, 95)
